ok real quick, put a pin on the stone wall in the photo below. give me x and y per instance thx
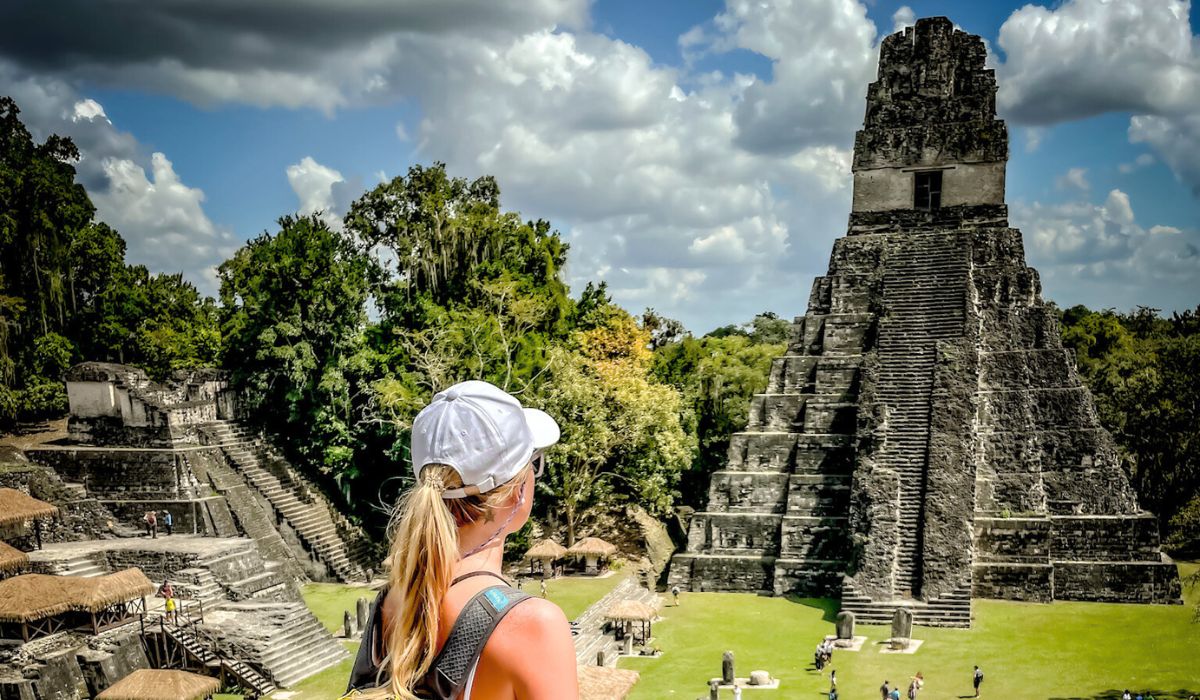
(1012, 540)
(80, 517)
(946, 539)
(1105, 538)
(1013, 581)
(121, 474)
(1117, 582)
(749, 574)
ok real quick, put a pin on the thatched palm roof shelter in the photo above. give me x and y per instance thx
(11, 558)
(19, 507)
(154, 684)
(593, 547)
(602, 683)
(546, 549)
(541, 556)
(41, 604)
(633, 611)
(34, 596)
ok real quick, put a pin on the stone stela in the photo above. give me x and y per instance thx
(926, 439)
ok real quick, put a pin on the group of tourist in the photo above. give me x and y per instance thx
(915, 684)
(1144, 696)
(824, 654)
(150, 519)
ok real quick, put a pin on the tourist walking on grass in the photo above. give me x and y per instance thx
(914, 687)
(977, 680)
(543, 582)
(675, 594)
(475, 455)
(885, 693)
(737, 692)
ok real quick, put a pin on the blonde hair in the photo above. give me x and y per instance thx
(424, 532)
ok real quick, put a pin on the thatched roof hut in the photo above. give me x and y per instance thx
(11, 558)
(155, 684)
(602, 683)
(631, 611)
(547, 549)
(592, 547)
(32, 597)
(19, 507)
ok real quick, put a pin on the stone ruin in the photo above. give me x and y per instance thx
(247, 526)
(926, 439)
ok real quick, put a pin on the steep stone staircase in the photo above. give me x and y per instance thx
(591, 637)
(198, 584)
(85, 564)
(293, 500)
(953, 610)
(284, 641)
(924, 296)
(254, 516)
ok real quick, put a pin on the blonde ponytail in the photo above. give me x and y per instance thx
(423, 554)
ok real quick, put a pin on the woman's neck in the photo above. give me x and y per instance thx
(490, 558)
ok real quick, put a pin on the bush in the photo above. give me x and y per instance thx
(1184, 530)
(42, 399)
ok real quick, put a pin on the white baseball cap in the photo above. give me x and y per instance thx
(482, 433)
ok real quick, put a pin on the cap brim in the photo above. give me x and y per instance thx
(544, 428)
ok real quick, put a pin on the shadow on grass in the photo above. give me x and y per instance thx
(829, 607)
(1152, 693)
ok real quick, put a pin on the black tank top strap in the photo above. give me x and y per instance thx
(473, 574)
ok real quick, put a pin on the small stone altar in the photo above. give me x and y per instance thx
(757, 680)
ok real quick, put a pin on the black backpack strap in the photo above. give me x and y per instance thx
(447, 678)
(451, 668)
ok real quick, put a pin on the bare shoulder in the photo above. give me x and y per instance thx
(537, 614)
(534, 643)
(534, 625)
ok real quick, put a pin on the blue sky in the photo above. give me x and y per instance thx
(696, 156)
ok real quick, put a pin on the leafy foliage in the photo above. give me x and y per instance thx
(65, 291)
(717, 376)
(1142, 369)
(293, 311)
(622, 436)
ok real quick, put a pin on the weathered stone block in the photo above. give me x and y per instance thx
(757, 492)
(1013, 581)
(1117, 582)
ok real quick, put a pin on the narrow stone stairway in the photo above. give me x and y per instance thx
(924, 292)
(295, 500)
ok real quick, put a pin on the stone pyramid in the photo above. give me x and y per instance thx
(927, 438)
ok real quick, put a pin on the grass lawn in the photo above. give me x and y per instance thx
(1027, 651)
(575, 593)
(330, 601)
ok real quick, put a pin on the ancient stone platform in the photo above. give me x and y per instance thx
(927, 438)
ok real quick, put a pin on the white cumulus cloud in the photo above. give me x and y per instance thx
(161, 218)
(314, 184)
(1082, 58)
